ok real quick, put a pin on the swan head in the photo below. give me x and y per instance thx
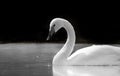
(55, 25)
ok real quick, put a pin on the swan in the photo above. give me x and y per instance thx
(92, 55)
(85, 71)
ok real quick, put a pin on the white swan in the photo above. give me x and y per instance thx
(85, 71)
(92, 55)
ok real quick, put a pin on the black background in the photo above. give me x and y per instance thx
(31, 24)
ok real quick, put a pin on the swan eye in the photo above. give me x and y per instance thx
(53, 27)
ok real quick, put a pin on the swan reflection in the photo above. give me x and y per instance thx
(86, 71)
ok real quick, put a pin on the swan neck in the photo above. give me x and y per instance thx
(69, 45)
(61, 57)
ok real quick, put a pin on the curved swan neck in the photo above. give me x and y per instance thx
(69, 45)
(64, 53)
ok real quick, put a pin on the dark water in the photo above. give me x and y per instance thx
(36, 60)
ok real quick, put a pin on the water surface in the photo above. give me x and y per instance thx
(36, 60)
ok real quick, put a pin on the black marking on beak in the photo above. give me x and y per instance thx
(51, 32)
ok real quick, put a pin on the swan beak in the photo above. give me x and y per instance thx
(49, 36)
(51, 32)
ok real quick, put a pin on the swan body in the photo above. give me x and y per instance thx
(96, 55)
(92, 55)
(85, 71)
